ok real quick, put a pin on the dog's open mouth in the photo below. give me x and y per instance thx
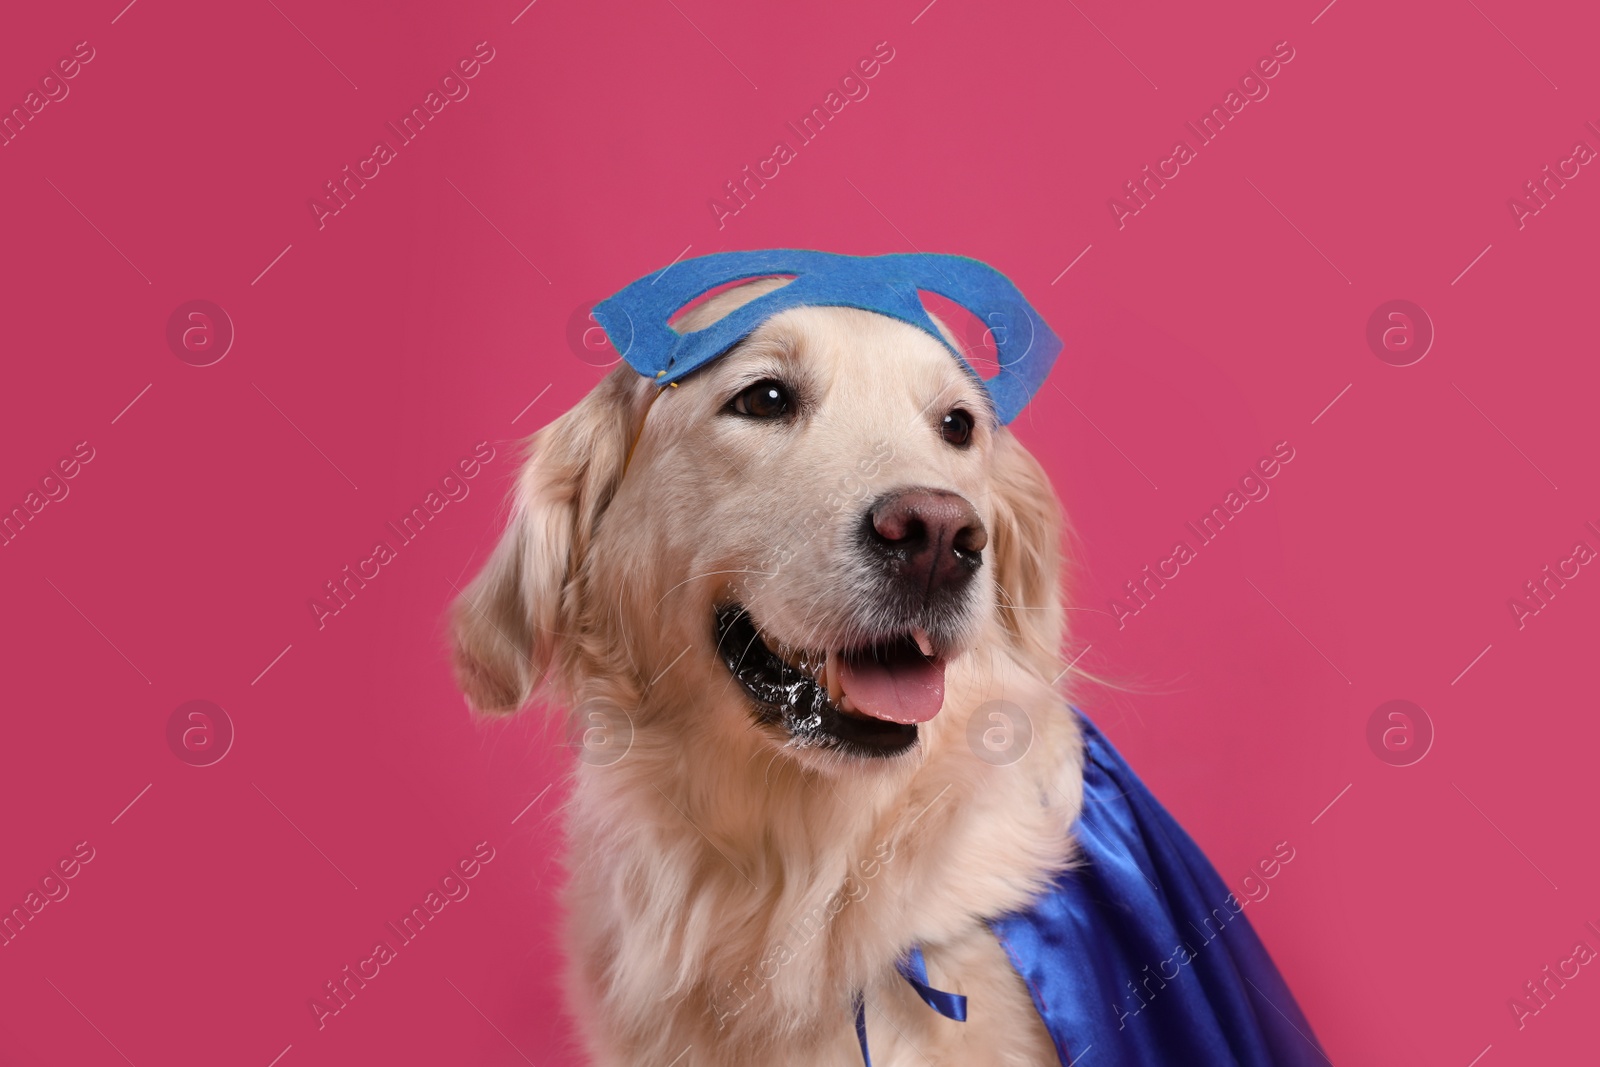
(866, 700)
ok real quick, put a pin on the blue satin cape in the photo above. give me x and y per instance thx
(1140, 953)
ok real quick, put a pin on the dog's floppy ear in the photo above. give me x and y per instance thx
(1027, 530)
(508, 624)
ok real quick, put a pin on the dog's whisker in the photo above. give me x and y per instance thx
(706, 574)
(766, 775)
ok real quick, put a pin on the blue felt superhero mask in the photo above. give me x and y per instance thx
(635, 319)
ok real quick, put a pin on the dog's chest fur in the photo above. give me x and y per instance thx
(734, 911)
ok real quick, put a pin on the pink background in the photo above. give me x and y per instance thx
(377, 351)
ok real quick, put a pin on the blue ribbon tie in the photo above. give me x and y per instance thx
(914, 969)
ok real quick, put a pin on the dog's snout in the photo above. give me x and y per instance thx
(931, 538)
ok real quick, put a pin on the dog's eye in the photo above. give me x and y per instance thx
(957, 428)
(766, 399)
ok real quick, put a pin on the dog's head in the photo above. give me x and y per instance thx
(802, 537)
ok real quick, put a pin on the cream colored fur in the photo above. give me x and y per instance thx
(729, 894)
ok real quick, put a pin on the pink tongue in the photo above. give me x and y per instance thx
(906, 692)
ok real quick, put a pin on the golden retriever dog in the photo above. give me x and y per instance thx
(777, 597)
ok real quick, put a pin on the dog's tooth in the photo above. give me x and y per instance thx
(924, 643)
(830, 676)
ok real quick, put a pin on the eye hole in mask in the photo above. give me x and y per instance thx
(684, 320)
(969, 333)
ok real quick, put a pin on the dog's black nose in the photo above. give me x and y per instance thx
(932, 539)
